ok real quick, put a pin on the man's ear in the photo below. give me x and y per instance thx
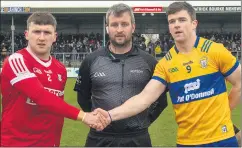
(107, 29)
(26, 33)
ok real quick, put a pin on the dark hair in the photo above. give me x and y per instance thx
(179, 6)
(42, 18)
(118, 10)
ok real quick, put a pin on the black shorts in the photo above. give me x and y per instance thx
(134, 139)
(236, 130)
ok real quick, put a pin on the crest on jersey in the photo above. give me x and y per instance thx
(224, 129)
(204, 62)
(59, 77)
(36, 70)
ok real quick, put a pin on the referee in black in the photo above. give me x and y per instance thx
(113, 74)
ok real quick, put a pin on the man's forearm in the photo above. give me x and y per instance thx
(234, 97)
(47, 100)
(130, 108)
(140, 102)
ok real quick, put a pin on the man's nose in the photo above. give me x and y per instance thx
(42, 36)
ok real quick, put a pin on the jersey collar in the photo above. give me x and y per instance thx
(195, 45)
(134, 51)
(45, 64)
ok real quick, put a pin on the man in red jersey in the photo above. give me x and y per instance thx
(32, 85)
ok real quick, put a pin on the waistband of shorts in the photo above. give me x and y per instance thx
(119, 134)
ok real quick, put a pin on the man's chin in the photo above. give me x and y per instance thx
(41, 51)
(179, 40)
(122, 42)
(118, 44)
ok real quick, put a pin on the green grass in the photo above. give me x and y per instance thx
(162, 131)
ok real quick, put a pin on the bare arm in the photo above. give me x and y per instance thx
(140, 102)
(235, 93)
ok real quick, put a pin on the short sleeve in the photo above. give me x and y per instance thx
(226, 62)
(159, 73)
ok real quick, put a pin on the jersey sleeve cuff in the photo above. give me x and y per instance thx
(159, 79)
(231, 69)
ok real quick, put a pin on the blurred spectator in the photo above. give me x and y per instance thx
(3, 51)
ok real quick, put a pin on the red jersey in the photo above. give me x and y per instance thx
(27, 121)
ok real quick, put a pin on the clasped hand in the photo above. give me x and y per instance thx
(98, 119)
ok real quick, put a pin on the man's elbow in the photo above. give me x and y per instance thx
(237, 87)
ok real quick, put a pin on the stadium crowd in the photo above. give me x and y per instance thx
(87, 43)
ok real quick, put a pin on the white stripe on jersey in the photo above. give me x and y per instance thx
(14, 62)
(21, 67)
(17, 65)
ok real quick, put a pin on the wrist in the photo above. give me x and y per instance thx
(110, 117)
(81, 115)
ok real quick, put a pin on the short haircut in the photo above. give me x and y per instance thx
(118, 10)
(179, 6)
(42, 18)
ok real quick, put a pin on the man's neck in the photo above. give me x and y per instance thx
(120, 50)
(186, 46)
(44, 57)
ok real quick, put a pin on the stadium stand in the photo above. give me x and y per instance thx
(72, 48)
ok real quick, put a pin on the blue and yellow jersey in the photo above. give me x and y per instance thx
(196, 83)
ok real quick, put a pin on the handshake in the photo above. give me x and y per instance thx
(98, 119)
